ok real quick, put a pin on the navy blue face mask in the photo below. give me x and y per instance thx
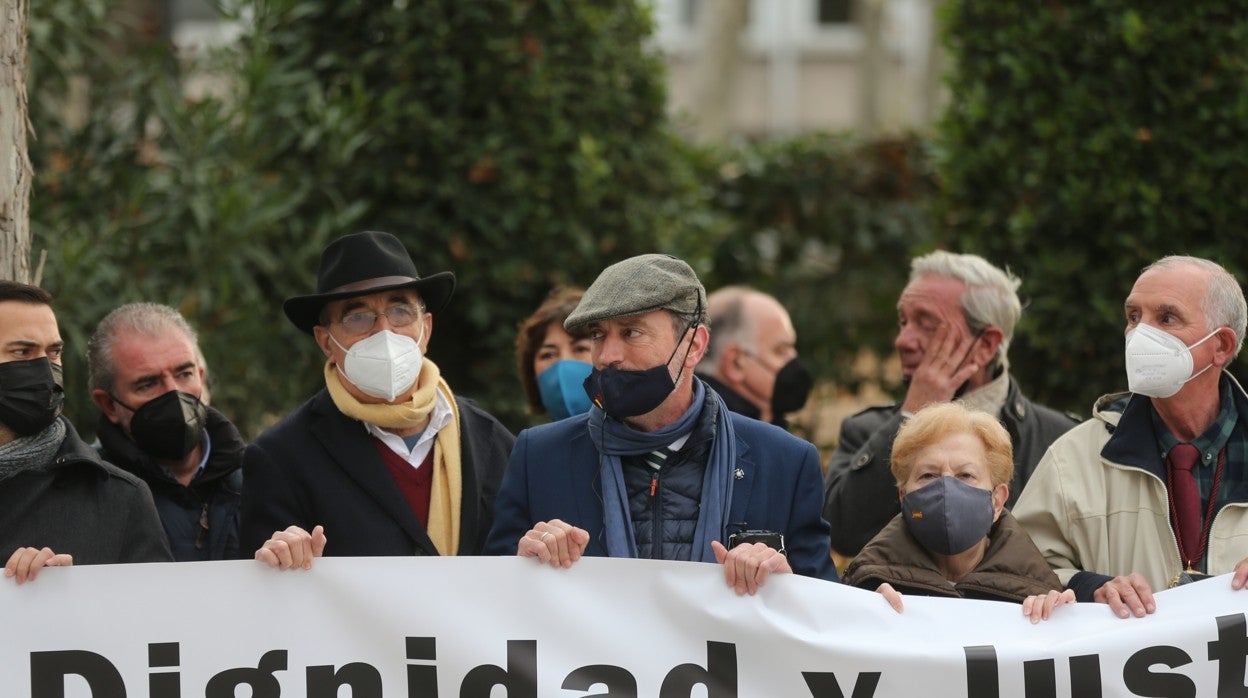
(560, 387)
(622, 393)
(948, 516)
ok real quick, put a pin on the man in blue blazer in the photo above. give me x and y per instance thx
(659, 468)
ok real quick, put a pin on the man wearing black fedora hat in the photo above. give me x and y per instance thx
(384, 460)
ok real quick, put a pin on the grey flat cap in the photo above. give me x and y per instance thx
(639, 285)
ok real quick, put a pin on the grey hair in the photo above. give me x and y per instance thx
(1223, 304)
(991, 295)
(151, 319)
(727, 322)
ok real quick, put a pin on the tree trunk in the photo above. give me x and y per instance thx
(15, 169)
(870, 18)
(935, 92)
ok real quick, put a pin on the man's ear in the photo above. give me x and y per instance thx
(424, 342)
(323, 340)
(1225, 345)
(731, 364)
(108, 406)
(987, 346)
(697, 347)
(205, 390)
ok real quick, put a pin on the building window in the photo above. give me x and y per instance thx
(833, 11)
(689, 13)
(817, 26)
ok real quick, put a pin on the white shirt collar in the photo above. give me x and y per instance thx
(438, 419)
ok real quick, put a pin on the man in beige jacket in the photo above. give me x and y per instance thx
(1114, 506)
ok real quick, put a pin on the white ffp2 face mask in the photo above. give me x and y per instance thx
(1158, 363)
(383, 365)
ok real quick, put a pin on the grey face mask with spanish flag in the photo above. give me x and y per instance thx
(948, 516)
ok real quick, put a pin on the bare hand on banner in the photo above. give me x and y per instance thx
(1240, 580)
(292, 548)
(24, 564)
(554, 542)
(1040, 607)
(1127, 596)
(891, 595)
(747, 566)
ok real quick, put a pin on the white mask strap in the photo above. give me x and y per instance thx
(1202, 341)
(335, 341)
(1189, 349)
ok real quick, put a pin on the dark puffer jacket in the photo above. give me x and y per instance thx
(670, 514)
(201, 520)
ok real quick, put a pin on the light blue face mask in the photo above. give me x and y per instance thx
(561, 387)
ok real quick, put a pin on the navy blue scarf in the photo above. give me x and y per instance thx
(615, 439)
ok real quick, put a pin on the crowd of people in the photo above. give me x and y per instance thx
(666, 439)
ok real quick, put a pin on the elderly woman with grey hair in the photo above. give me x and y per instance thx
(954, 537)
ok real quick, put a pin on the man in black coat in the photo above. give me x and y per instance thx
(59, 503)
(147, 377)
(384, 460)
(956, 318)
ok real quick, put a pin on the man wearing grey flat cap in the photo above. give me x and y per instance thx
(659, 468)
(384, 460)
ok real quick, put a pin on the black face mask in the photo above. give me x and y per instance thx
(792, 388)
(168, 427)
(31, 395)
(623, 393)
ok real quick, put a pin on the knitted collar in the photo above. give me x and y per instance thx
(32, 452)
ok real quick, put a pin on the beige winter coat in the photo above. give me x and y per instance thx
(1086, 512)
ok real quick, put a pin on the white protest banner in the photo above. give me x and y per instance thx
(489, 627)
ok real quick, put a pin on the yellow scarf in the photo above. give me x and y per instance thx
(447, 490)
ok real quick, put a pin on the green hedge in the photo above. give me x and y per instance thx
(524, 145)
(828, 225)
(1084, 141)
(520, 144)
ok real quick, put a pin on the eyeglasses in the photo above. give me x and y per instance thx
(396, 315)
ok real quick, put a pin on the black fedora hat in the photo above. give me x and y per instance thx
(362, 263)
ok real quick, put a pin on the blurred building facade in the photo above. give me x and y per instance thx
(755, 67)
(774, 67)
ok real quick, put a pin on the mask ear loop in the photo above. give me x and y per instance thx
(1202, 340)
(1196, 344)
(693, 325)
(421, 338)
(119, 402)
